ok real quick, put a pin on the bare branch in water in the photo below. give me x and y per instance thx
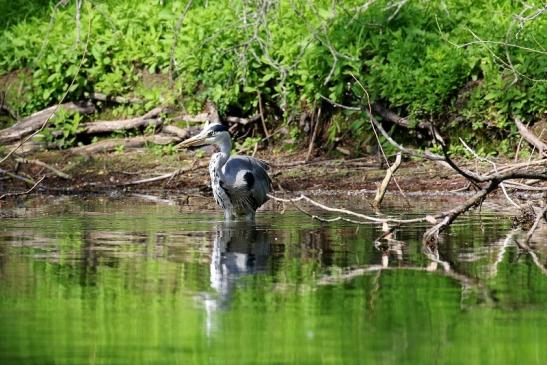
(23, 192)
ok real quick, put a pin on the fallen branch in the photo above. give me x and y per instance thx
(110, 126)
(32, 123)
(366, 218)
(432, 234)
(110, 145)
(179, 132)
(395, 119)
(200, 118)
(17, 177)
(44, 165)
(531, 138)
(116, 99)
(23, 192)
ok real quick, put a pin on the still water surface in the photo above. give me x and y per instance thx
(122, 281)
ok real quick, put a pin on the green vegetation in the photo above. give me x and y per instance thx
(468, 66)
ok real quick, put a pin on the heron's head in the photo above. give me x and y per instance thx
(212, 134)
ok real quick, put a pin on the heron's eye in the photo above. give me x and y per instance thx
(210, 134)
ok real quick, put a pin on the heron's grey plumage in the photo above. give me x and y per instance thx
(240, 183)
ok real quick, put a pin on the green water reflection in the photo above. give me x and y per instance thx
(122, 282)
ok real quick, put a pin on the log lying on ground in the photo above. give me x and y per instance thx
(110, 145)
(30, 124)
(243, 121)
(116, 99)
(201, 117)
(181, 133)
(110, 126)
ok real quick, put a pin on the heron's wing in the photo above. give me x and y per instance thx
(246, 181)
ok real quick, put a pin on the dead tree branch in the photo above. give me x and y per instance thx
(23, 192)
(17, 177)
(110, 126)
(44, 165)
(110, 145)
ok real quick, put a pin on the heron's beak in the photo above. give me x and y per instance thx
(197, 140)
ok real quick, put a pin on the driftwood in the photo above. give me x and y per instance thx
(36, 120)
(531, 138)
(110, 126)
(181, 133)
(243, 121)
(110, 145)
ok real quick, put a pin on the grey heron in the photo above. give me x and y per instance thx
(240, 183)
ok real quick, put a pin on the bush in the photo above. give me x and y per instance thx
(441, 61)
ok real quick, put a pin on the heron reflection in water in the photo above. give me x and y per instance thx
(239, 249)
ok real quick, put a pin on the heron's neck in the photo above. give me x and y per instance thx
(219, 159)
(225, 145)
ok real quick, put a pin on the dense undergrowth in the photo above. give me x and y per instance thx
(468, 66)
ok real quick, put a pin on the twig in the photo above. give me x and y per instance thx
(78, 14)
(170, 175)
(45, 165)
(383, 187)
(24, 192)
(369, 219)
(314, 134)
(172, 60)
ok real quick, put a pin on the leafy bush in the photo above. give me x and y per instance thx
(468, 66)
(62, 129)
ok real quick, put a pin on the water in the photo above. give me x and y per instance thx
(123, 281)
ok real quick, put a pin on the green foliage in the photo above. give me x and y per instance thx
(248, 144)
(163, 150)
(469, 66)
(62, 129)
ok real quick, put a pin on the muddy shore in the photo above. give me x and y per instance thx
(130, 170)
